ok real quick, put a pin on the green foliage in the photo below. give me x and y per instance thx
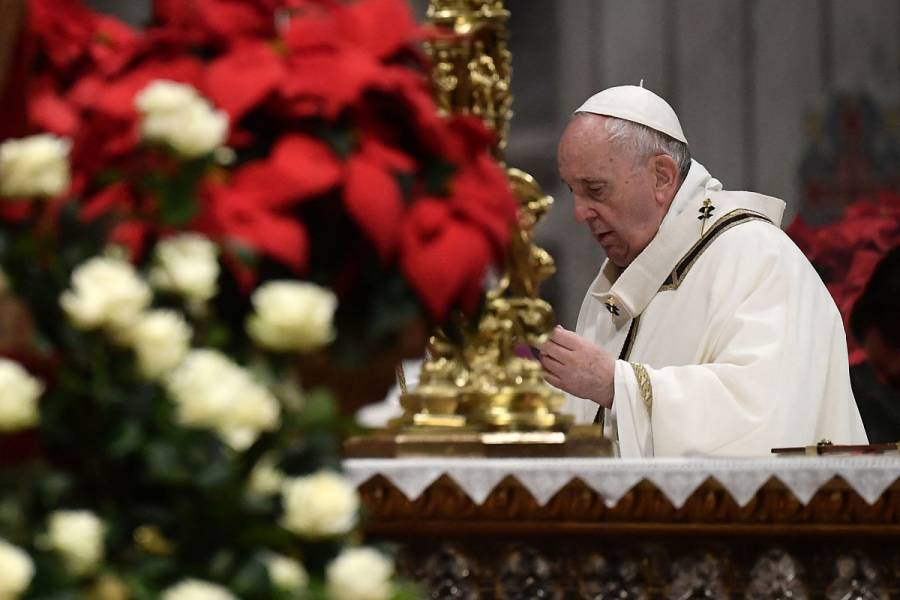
(109, 441)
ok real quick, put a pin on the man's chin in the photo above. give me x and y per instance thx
(617, 258)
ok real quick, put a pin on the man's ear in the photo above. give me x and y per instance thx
(665, 177)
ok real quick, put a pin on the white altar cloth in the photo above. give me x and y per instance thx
(612, 478)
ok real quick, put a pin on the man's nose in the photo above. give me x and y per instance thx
(582, 212)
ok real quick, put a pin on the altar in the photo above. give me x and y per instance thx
(639, 528)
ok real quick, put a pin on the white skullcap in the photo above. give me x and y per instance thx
(636, 104)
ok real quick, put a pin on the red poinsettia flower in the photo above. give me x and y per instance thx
(444, 259)
(242, 78)
(113, 44)
(846, 251)
(268, 232)
(63, 28)
(49, 111)
(481, 193)
(201, 22)
(379, 27)
(75, 38)
(373, 198)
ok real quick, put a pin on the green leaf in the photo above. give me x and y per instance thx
(252, 580)
(126, 439)
(320, 409)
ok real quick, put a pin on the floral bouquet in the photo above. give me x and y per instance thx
(206, 206)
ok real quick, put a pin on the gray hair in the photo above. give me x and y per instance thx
(644, 142)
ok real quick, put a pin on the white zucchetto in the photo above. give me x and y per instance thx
(636, 104)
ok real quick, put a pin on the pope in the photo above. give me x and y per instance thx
(706, 330)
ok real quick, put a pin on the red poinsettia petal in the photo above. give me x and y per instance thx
(113, 198)
(481, 192)
(446, 268)
(235, 19)
(241, 79)
(15, 212)
(386, 156)
(63, 29)
(427, 217)
(433, 131)
(213, 21)
(474, 134)
(113, 44)
(373, 199)
(313, 29)
(132, 235)
(280, 237)
(309, 92)
(381, 27)
(117, 98)
(308, 166)
(48, 111)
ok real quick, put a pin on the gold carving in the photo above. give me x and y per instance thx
(471, 61)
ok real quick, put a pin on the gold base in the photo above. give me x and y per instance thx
(579, 440)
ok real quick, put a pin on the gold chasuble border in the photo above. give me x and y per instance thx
(735, 217)
(643, 379)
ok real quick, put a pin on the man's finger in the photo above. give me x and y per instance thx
(551, 364)
(556, 352)
(553, 367)
(553, 380)
(567, 339)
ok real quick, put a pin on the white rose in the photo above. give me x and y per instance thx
(161, 339)
(187, 265)
(286, 573)
(319, 505)
(195, 589)
(17, 571)
(359, 574)
(106, 292)
(265, 478)
(34, 166)
(175, 114)
(19, 393)
(210, 391)
(78, 536)
(292, 315)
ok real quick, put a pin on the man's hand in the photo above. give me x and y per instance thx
(577, 366)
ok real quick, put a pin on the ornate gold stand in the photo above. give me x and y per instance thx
(480, 393)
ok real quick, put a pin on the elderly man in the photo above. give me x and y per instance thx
(727, 341)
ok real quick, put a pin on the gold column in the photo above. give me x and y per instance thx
(480, 392)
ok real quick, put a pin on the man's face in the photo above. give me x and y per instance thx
(884, 358)
(617, 197)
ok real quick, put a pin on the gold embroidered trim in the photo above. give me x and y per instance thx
(735, 217)
(643, 380)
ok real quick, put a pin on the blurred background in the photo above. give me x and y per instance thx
(799, 99)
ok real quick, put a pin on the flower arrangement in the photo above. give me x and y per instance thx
(846, 251)
(206, 204)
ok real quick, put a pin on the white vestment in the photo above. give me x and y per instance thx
(728, 342)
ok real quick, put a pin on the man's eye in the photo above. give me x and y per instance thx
(596, 191)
